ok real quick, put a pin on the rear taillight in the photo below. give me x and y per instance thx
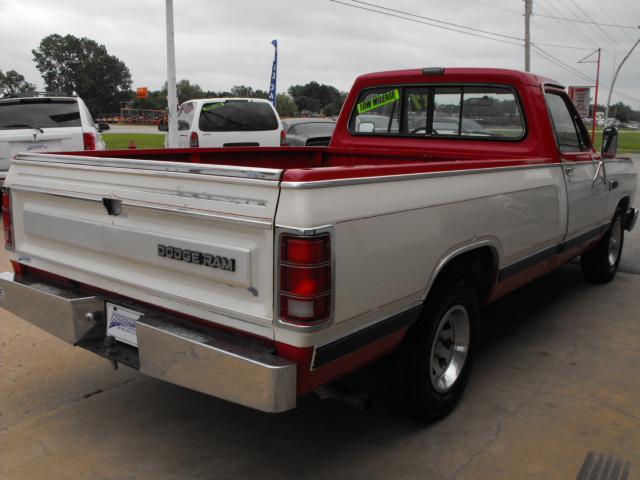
(7, 220)
(193, 140)
(89, 140)
(305, 279)
(283, 138)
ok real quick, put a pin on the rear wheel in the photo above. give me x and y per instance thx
(601, 264)
(441, 348)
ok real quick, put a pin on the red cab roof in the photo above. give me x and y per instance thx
(484, 75)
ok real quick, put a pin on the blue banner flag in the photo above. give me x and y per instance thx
(274, 74)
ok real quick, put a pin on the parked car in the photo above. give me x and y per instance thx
(258, 275)
(228, 122)
(308, 132)
(46, 123)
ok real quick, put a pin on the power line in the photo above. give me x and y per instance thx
(401, 15)
(426, 23)
(435, 20)
(603, 32)
(565, 65)
(590, 22)
(450, 26)
(572, 30)
(611, 18)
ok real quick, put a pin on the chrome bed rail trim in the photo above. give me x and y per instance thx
(154, 165)
(339, 182)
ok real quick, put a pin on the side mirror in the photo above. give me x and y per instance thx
(163, 127)
(366, 127)
(609, 142)
(103, 126)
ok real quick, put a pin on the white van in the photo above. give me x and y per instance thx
(228, 122)
(46, 123)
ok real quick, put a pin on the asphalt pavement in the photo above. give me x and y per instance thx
(556, 387)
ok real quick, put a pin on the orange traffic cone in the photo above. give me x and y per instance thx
(132, 144)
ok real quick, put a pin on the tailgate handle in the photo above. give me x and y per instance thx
(113, 206)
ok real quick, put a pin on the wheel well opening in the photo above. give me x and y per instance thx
(478, 266)
(623, 204)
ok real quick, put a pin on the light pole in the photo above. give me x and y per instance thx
(615, 77)
(528, 8)
(172, 97)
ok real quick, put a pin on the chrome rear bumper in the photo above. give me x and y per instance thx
(215, 363)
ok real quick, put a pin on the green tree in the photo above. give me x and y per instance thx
(285, 105)
(187, 91)
(82, 65)
(12, 82)
(317, 98)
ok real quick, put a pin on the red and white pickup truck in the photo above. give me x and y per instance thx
(260, 274)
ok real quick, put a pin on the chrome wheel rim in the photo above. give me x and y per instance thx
(450, 348)
(615, 241)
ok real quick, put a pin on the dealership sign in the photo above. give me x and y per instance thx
(581, 97)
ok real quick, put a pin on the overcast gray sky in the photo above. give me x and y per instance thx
(221, 43)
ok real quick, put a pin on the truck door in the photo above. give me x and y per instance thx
(586, 189)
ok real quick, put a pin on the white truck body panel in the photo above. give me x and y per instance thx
(390, 236)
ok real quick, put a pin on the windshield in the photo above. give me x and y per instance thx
(39, 113)
(233, 116)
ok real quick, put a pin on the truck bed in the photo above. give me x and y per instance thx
(320, 163)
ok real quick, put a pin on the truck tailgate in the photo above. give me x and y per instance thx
(186, 237)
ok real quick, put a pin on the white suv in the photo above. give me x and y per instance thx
(228, 122)
(45, 124)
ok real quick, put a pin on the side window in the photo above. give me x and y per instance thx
(446, 111)
(416, 108)
(564, 125)
(185, 116)
(491, 112)
(377, 111)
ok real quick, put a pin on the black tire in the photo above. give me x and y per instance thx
(601, 264)
(425, 400)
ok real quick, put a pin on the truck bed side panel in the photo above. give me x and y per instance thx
(391, 235)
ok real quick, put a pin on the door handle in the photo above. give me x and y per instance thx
(595, 177)
(568, 170)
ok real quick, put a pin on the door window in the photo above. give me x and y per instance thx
(185, 115)
(568, 134)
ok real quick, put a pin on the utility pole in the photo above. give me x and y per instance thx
(615, 77)
(172, 96)
(528, 10)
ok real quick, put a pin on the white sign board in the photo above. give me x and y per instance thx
(581, 97)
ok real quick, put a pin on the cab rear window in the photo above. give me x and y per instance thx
(461, 111)
(233, 116)
(39, 113)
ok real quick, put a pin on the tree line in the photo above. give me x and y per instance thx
(312, 98)
(81, 65)
(71, 64)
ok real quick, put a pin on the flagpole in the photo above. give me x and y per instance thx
(274, 75)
